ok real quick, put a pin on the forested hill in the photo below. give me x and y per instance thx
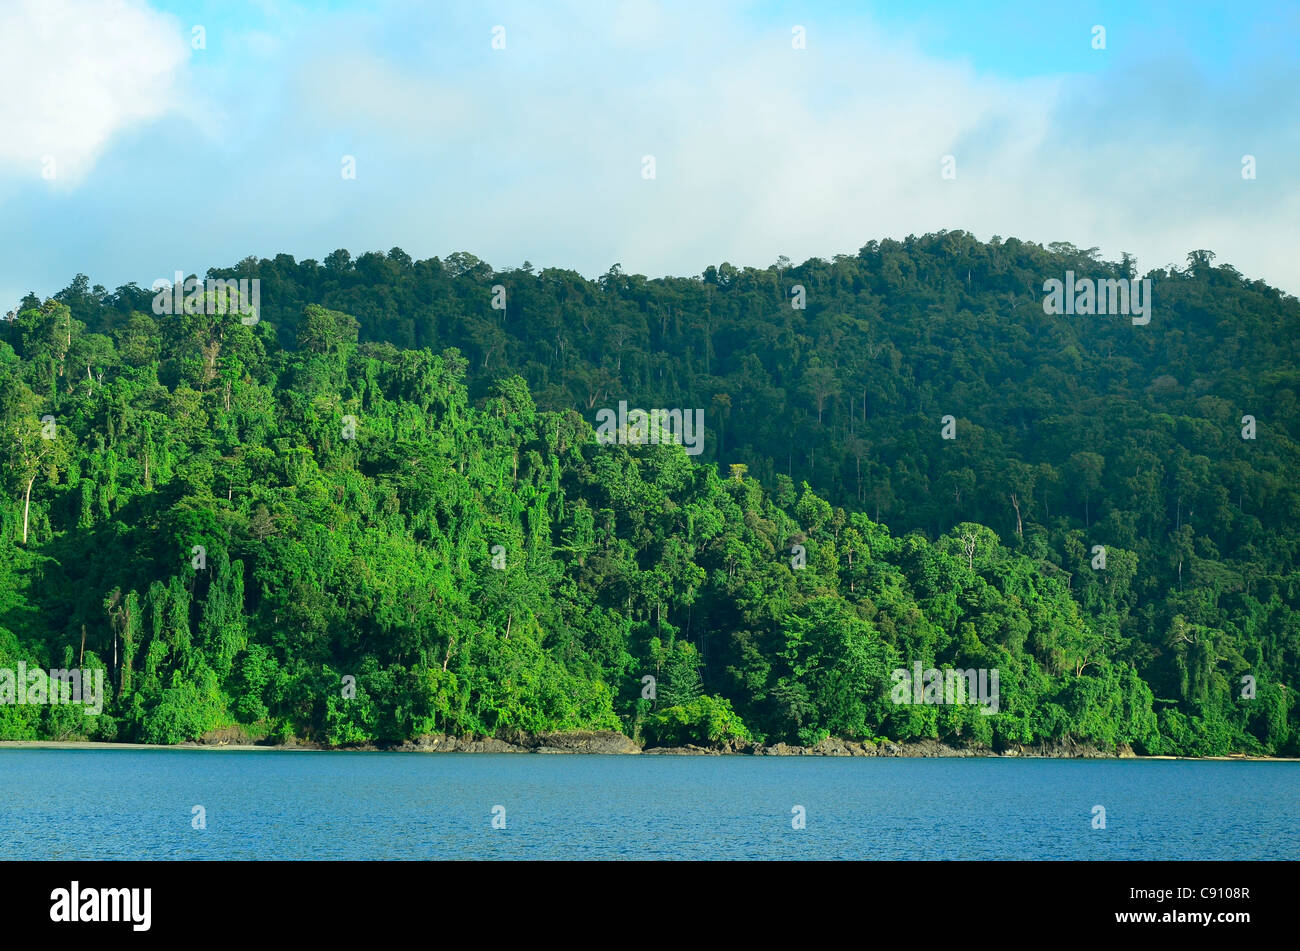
(350, 463)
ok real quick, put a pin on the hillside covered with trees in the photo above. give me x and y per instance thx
(388, 478)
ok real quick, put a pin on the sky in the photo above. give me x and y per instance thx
(139, 139)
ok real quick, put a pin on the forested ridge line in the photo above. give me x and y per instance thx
(392, 480)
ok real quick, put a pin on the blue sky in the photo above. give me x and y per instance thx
(165, 157)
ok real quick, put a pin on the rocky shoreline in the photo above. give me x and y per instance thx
(919, 749)
(608, 743)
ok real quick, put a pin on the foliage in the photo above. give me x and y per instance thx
(390, 480)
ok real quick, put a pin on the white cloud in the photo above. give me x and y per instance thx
(762, 149)
(360, 91)
(76, 72)
(535, 151)
(638, 23)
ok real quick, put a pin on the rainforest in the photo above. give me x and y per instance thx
(380, 510)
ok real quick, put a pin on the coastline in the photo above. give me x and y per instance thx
(616, 744)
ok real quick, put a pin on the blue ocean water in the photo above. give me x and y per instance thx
(139, 804)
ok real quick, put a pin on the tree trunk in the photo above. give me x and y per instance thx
(27, 505)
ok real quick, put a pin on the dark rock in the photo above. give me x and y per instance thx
(604, 742)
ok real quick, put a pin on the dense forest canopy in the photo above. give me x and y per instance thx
(392, 476)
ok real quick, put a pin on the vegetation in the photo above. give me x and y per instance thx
(385, 478)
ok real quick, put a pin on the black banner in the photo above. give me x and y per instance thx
(1217, 901)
